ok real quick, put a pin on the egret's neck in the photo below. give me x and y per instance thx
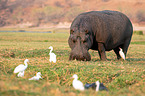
(51, 50)
(120, 49)
(75, 79)
(38, 76)
(98, 85)
(26, 63)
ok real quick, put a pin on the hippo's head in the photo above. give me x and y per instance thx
(80, 42)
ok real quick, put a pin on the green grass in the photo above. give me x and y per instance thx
(120, 77)
(138, 32)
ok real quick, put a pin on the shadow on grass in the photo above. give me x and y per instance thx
(18, 92)
(96, 60)
(128, 59)
(135, 59)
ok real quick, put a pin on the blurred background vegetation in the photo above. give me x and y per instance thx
(35, 13)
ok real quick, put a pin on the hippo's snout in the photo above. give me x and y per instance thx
(80, 44)
(80, 57)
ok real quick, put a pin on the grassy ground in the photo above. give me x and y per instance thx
(120, 77)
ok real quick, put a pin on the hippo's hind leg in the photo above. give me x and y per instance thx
(116, 50)
(126, 45)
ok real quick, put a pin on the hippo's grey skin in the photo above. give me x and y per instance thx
(99, 30)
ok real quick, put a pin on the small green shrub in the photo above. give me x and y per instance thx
(45, 40)
(138, 32)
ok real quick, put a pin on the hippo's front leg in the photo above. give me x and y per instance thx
(101, 51)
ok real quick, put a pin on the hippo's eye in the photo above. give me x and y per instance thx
(74, 41)
(71, 31)
(84, 41)
(86, 31)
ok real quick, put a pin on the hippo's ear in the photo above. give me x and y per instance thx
(86, 31)
(71, 31)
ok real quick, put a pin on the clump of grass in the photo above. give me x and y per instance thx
(138, 32)
(45, 40)
(138, 42)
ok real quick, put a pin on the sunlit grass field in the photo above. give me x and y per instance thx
(120, 77)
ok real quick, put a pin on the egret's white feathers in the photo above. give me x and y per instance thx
(52, 55)
(21, 67)
(121, 54)
(37, 77)
(21, 74)
(77, 84)
(97, 85)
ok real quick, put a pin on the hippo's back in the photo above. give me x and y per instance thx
(109, 27)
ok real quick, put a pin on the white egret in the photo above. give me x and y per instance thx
(52, 55)
(100, 86)
(38, 75)
(121, 54)
(77, 84)
(21, 67)
(21, 74)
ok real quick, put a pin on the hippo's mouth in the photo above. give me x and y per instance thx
(80, 58)
(86, 57)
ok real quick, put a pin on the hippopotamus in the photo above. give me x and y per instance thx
(99, 30)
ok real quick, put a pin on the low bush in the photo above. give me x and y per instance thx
(138, 32)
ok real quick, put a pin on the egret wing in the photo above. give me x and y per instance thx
(79, 85)
(122, 55)
(21, 74)
(33, 78)
(19, 68)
